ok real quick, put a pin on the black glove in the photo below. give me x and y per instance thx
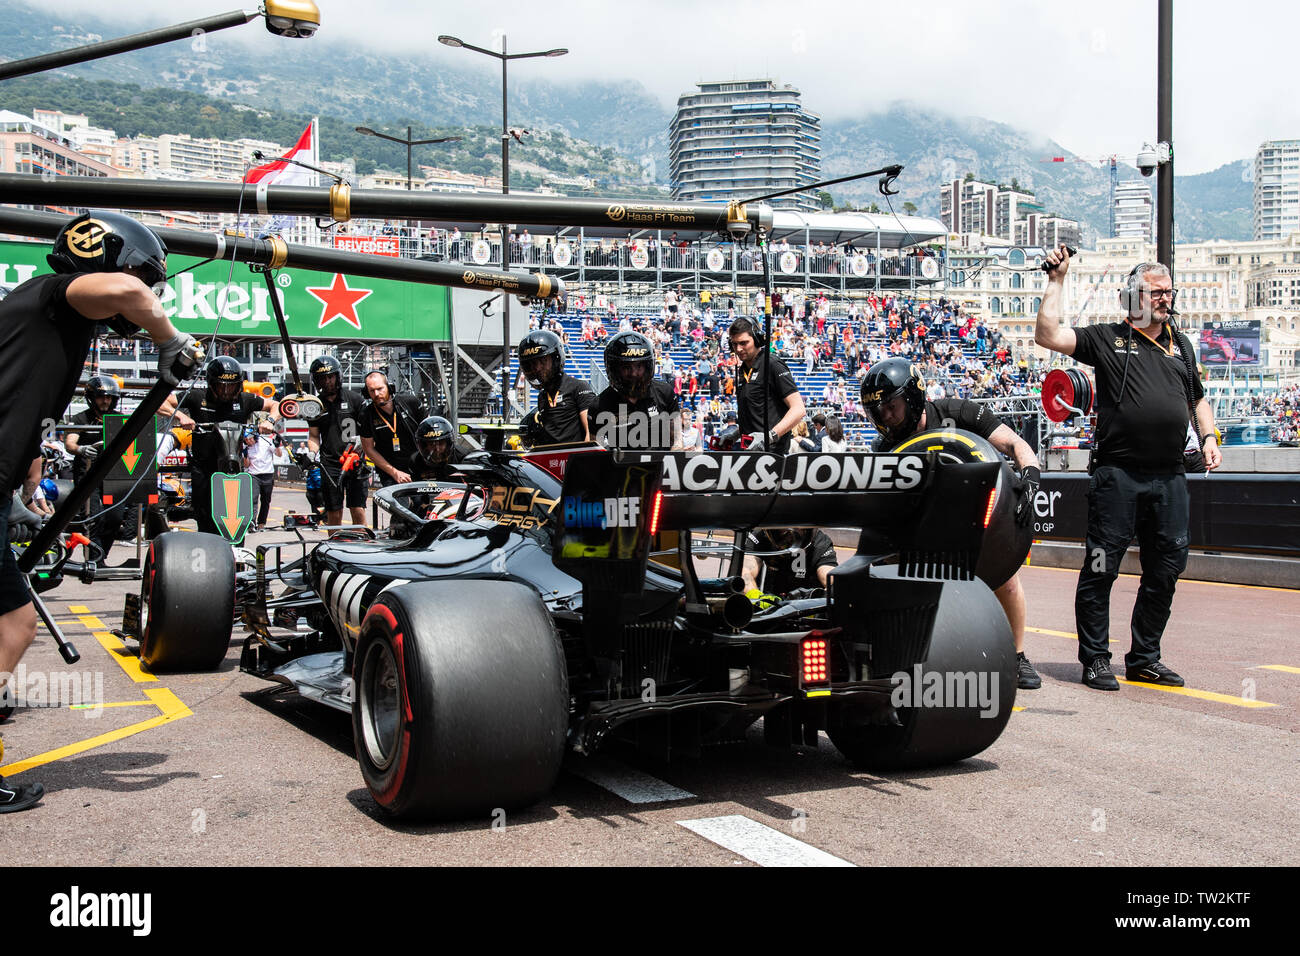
(1030, 478)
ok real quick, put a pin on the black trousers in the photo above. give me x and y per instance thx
(1123, 504)
(263, 486)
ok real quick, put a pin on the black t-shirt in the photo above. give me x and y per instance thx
(1147, 429)
(645, 426)
(558, 413)
(43, 345)
(376, 424)
(749, 398)
(950, 413)
(781, 577)
(206, 449)
(339, 427)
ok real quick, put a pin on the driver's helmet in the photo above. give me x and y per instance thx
(322, 368)
(225, 378)
(102, 386)
(630, 365)
(541, 359)
(894, 391)
(433, 440)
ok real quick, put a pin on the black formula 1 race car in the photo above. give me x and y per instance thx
(548, 614)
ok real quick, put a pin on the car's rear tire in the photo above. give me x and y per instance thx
(970, 635)
(187, 601)
(461, 699)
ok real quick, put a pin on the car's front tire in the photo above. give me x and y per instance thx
(461, 699)
(187, 602)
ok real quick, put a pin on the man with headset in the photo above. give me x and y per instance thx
(1146, 390)
(781, 398)
(387, 425)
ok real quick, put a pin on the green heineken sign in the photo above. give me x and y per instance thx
(317, 305)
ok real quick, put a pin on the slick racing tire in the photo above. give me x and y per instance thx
(1006, 543)
(461, 699)
(187, 601)
(971, 641)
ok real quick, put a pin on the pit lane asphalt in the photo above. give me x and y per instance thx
(226, 769)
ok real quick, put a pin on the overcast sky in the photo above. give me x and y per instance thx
(1083, 73)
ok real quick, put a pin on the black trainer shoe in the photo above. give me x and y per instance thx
(1026, 677)
(1098, 674)
(1155, 673)
(23, 797)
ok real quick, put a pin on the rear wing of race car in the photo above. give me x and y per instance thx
(929, 512)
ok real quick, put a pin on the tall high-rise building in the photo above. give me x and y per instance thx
(1133, 210)
(1276, 206)
(733, 140)
(985, 208)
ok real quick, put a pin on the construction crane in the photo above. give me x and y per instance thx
(1112, 159)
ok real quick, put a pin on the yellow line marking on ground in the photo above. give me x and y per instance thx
(1200, 694)
(78, 609)
(1214, 584)
(1277, 667)
(125, 703)
(125, 659)
(1070, 634)
(1013, 708)
(169, 704)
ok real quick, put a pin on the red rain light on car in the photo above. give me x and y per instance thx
(988, 512)
(654, 513)
(813, 652)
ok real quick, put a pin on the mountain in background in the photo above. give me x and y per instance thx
(446, 92)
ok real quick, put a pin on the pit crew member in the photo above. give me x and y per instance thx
(893, 396)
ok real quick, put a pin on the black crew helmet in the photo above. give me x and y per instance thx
(109, 242)
(323, 366)
(102, 386)
(434, 440)
(630, 365)
(894, 378)
(541, 359)
(225, 378)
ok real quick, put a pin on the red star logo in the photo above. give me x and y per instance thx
(340, 302)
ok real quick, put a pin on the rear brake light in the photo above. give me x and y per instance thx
(654, 513)
(813, 666)
(988, 512)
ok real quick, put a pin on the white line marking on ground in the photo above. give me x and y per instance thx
(760, 844)
(632, 785)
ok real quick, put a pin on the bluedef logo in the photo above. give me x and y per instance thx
(610, 513)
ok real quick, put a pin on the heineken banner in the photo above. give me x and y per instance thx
(317, 305)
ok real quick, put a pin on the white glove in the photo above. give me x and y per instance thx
(757, 441)
(182, 345)
(90, 452)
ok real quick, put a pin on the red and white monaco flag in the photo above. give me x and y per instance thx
(281, 173)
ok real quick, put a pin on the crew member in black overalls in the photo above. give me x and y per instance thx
(434, 458)
(893, 396)
(107, 268)
(1147, 390)
(224, 400)
(806, 562)
(563, 401)
(387, 426)
(102, 395)
(336, 434)
(636, 411)
(783, 403)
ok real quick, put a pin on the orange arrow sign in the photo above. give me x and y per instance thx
(232, 519)
(131, 458)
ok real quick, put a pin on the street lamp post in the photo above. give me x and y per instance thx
(408, 142)
(505, 59)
